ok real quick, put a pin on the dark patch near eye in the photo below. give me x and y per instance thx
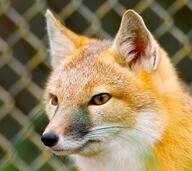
(80, 124)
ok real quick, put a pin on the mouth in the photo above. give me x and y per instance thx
(87, 147)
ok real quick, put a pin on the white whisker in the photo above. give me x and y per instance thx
(103, 132)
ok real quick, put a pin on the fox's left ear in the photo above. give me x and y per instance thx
(134, 44)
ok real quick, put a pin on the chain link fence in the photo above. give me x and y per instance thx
(24, 63)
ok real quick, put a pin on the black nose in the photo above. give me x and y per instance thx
(49, 139)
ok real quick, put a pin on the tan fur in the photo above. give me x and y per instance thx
(139, 82)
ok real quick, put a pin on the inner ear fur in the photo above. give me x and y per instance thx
(62, 41)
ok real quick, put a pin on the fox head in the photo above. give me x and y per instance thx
(104, 92)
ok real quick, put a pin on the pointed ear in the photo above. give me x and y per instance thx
(134, 44)
(61, 40)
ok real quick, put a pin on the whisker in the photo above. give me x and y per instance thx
(105, 127)
(106, 131)
(102, 133)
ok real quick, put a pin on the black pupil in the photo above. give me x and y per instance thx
(54, 100)
(101, 97)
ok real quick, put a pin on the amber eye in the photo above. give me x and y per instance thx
(100, 99)
(54, 99)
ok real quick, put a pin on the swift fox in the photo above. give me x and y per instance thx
(116, 105)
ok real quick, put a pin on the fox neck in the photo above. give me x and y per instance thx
(131, 150)
(119, 156)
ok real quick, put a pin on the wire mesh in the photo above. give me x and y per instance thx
(24, 63)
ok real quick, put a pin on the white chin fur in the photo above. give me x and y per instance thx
(66, 147)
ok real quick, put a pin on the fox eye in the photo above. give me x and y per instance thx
(100, 99)
(54, 99)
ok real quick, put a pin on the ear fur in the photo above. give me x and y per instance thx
(134, 44)
(61, 40)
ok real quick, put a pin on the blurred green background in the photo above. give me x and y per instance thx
(24, 63)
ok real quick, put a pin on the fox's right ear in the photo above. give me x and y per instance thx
(61, 39)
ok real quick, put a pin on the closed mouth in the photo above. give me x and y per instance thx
(89, 142)
(76, 150)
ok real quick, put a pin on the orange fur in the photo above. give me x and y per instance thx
(97, 66)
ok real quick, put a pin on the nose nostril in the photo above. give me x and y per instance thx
(49, 139)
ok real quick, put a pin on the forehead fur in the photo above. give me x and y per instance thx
(95, 47)
(83, 72)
